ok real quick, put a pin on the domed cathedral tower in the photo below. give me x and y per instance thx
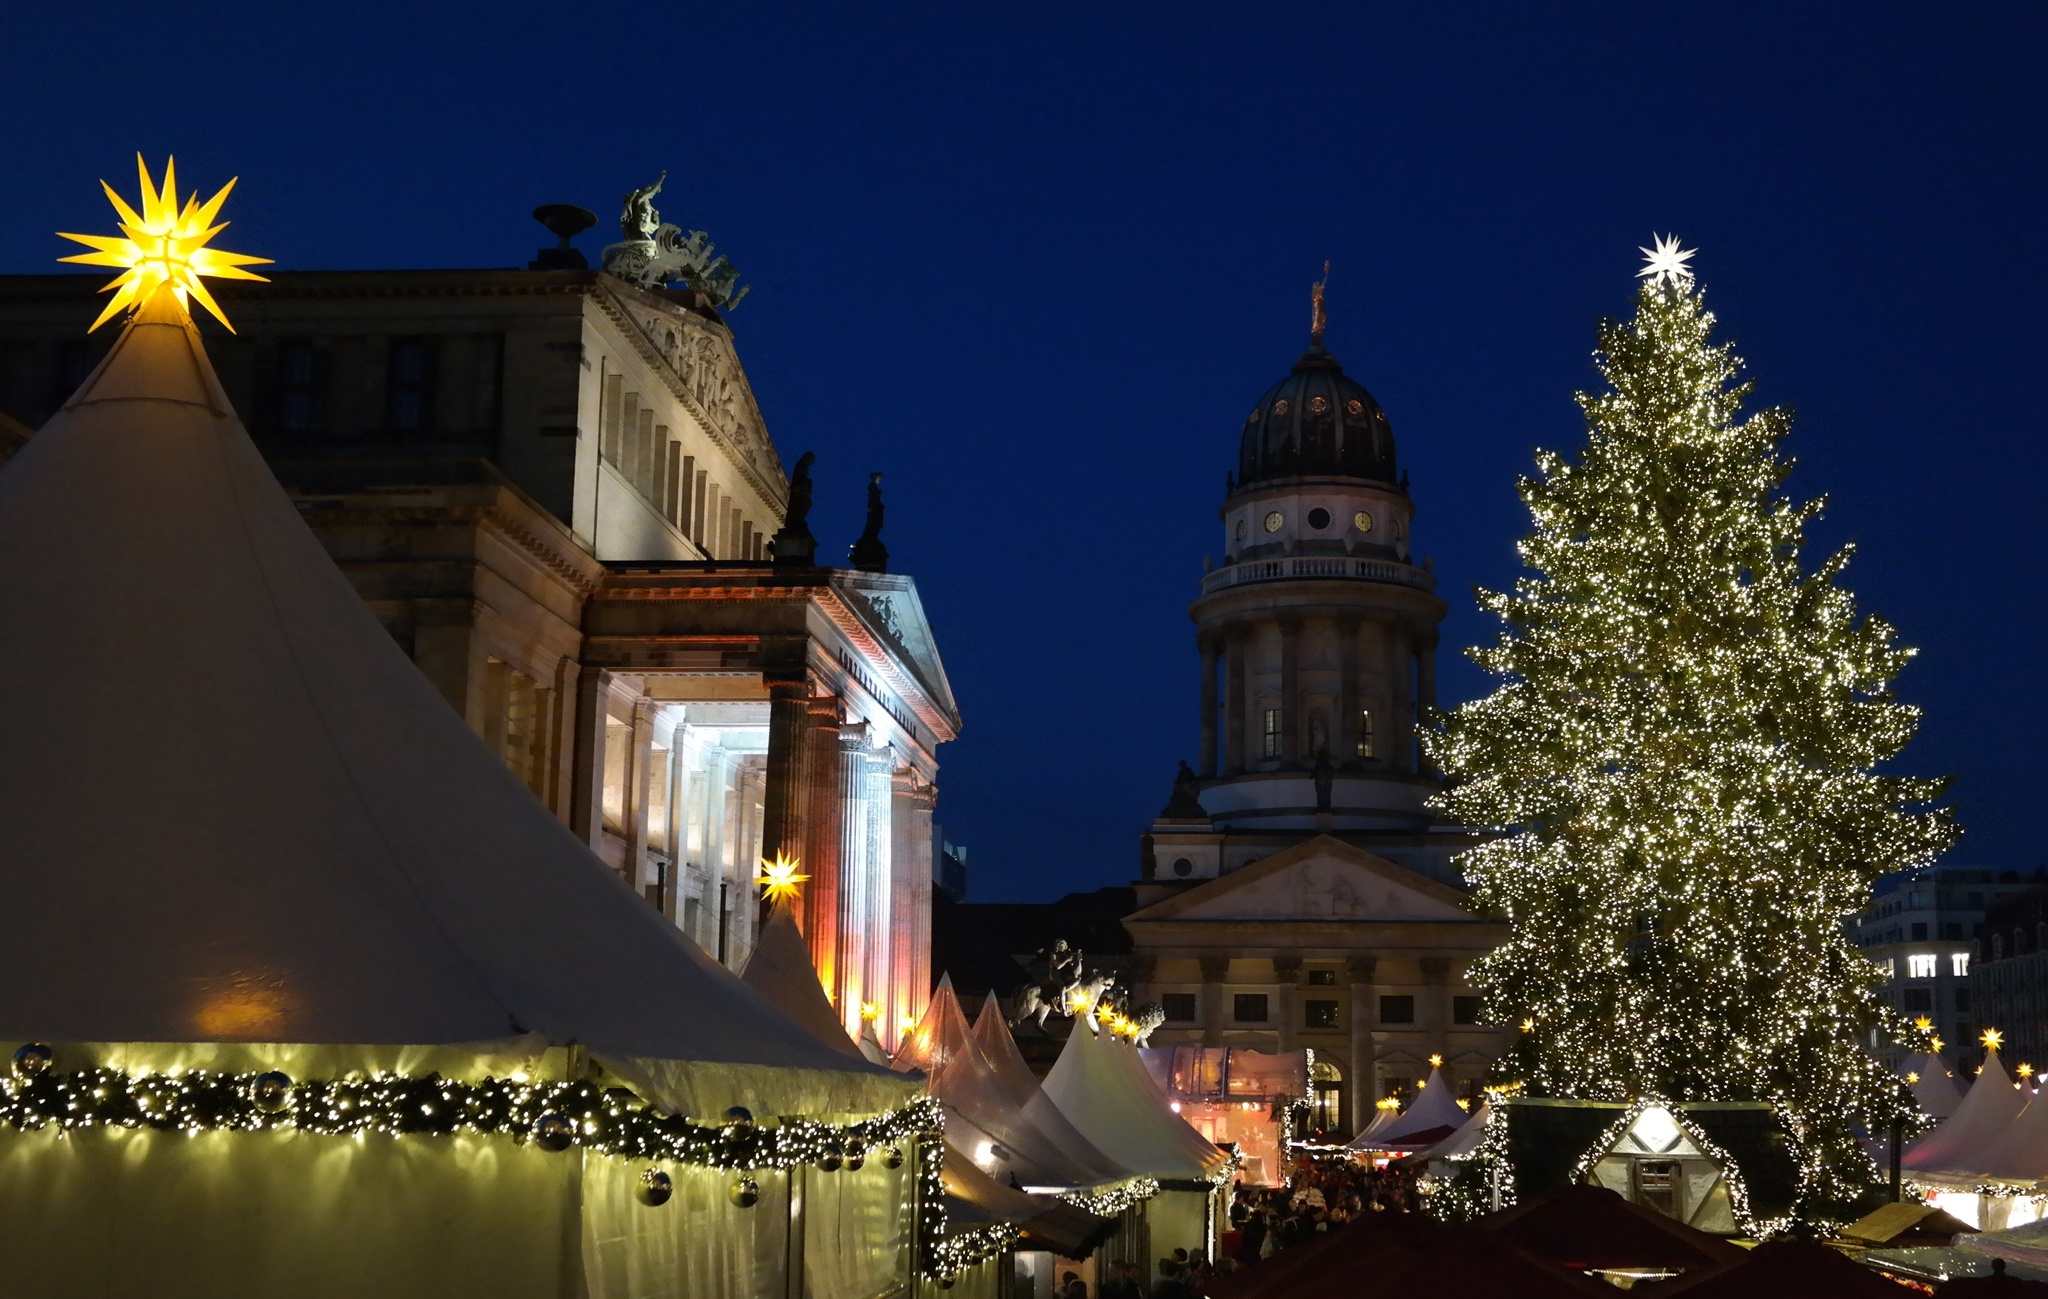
(1297, 891)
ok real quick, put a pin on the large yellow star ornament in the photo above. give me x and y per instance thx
(164, 247)
(779, 879)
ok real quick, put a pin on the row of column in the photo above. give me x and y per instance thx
(1233, 734)
(645, 453)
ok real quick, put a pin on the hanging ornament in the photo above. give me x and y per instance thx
(32, 1060)
(553, 1132)
(892, 1157)
(745, 1192)
(855, 1160)
(739, 1121)
(655, 1187)
(946, 1282)
(271, 1092)
(832, 1158)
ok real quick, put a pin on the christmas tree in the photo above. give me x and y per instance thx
(1684, 752)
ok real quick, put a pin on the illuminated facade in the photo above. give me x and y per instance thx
(556, 491)
(1297, 890)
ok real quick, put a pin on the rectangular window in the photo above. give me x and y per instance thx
(1920, 965)
(409, 386)
(1272, 733)
(1319, 1014)
(1179, 1007)
(1919, 1000)
(1250, 1008)
(1962, 1000)
(1365, 732)
(1464, 1010)
(298, 386)
(1959, 964)
(1920, 931)
(1397, 1010)
(1322, 978)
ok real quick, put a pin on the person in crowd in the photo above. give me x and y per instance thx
(1173, 1281)
(1071, 1287)
(1123, 1282)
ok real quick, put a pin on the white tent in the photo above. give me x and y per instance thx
(1383, 1118)
(1434, 1115)
(780, 969)
(245, 833)
(983, 1118)
(1934, 1085)
(1102, 1087)
(1461, 1144)
(1968, 1137)
(991, 1035)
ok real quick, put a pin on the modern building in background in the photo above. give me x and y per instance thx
(2009, 977)
(556, 490)
(1926, 929)
(1297, 891)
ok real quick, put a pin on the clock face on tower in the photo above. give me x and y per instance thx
(1274, 520)
(1362, 521)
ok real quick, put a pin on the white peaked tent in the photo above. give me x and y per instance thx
(1434, 1116)
(1461, 1144)
(983, 1119)
(1967, 1137)
(1382, 1119)
(871, 1049)
(991, 1035)
(1933, 1085)
(246, 833)
(780, 969)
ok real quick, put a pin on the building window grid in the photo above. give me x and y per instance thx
(1271, 737)
(1920, 965)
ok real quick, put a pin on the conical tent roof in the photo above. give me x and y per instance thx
(1433, 1116)
(1934, 1086)
(982, 1117)
(1466, 1139)
(1967, 1137)
(259, 822)
(1381, 1121)
(780, 969)
(992, 1036)
(1102, 1087)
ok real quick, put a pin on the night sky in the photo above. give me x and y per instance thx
(1034, 263)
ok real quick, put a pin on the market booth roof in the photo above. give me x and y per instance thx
(1590, 1228)
(1105, 1091)
(261, 824)
(780, 969)
(1972, 1137)
(1786, 1269)
(991, 1035)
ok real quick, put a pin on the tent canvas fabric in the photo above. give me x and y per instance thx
(991, 1033)
(1064, 1229)
(1434, 1116)
(1103, 1089)
(1589, 1228)
(1934, 1086)
(780, 969)
(293, 837)
(1969, 1138)
(1381, 1121)
(982, 1115)
(1466, 1139)
(2020, 1152)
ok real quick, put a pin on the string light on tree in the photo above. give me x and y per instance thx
(164, 247)
(1686, 743)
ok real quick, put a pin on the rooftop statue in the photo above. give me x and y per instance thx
(655, 252)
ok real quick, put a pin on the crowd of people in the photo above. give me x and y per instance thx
(1264, 1221)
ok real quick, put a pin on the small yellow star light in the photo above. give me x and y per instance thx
(1923, 1023)
(870, 1012)
(1937, 1044)
(1436, 1062)
(779, 879)
(1528, 1026)
(2025, 1070)
(1912, 1077)
(1666, 264)
(163, 248)
(1991, 1037)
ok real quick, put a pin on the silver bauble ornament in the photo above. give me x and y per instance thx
(946, 1282)
(655, 1187)
(553, 1132)
(271, 1092)
(892, 1157)
(745, 1192)
(829, 1161)
(33, 1060)
(739, 1120)
(855, 1160)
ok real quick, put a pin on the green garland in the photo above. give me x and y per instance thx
(1109, 1203)
(553, 1115)
(1731, 1172)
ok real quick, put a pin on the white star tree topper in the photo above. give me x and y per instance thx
(1666, 263)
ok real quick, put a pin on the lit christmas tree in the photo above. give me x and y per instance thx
(1684, 749)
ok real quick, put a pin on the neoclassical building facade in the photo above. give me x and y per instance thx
(1297, 890)
(556, 490)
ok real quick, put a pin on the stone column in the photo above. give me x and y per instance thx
(826, 808)
(1287, 973)
(1434, 1015)
(914, 930)
(1401, 732)
(586, 794)
(1344, 735)
(1234, 704)
(639, 792)
(1214, 970)
(1209, 652)
(1360, 1084)
(1291, 736)
(856, 866)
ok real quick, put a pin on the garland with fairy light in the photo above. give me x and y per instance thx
(554, 1116)
(1109, 1203)
(1684, 753)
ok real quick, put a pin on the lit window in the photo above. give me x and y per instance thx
(1365, 732)
(1959, 964)
(1272, 749)
(1920, 965)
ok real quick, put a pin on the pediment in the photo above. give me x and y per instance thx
(1322, 879)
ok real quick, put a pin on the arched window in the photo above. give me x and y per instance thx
(1326, 1096)
(1365, 732)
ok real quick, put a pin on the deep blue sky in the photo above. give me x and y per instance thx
(1035, 262)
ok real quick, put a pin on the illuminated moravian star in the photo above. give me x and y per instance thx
(1666, 263)
(163, 247)
(779, 879)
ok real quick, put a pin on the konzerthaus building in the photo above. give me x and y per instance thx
(555, 488)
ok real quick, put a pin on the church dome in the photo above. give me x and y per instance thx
(1316, 423)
